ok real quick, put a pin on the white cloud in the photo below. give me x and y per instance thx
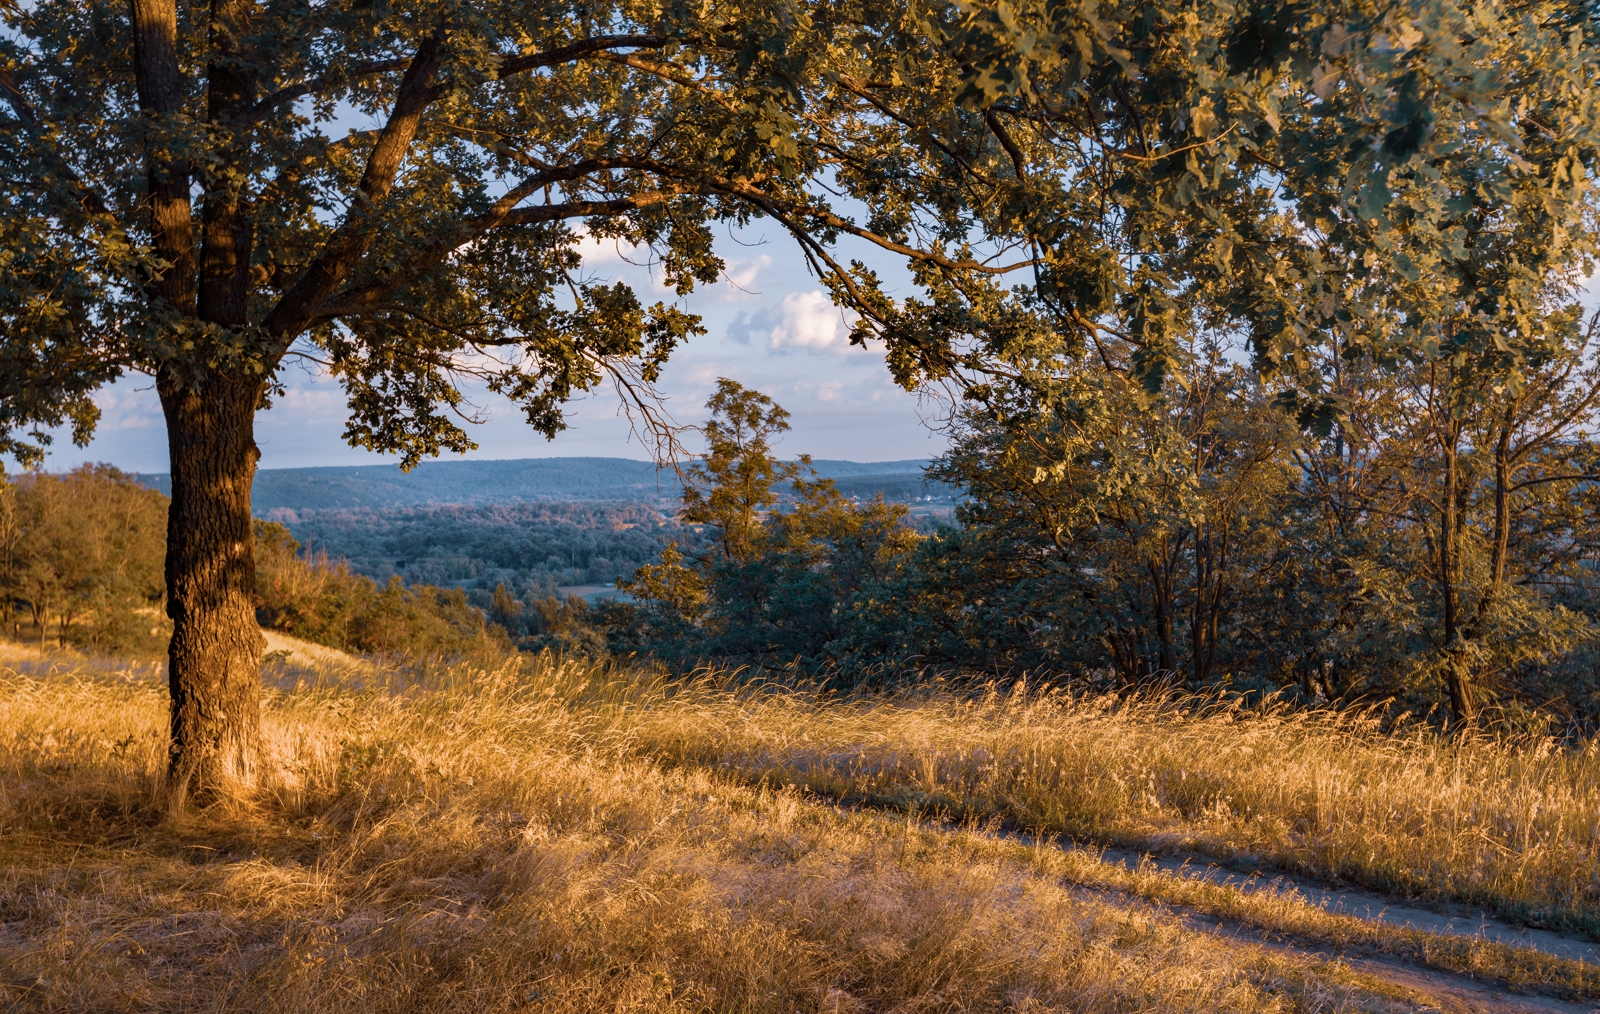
(803, 320)
(130, 404)
(600, 250)
(741, 276)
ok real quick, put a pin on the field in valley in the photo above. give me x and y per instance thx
(549, 836)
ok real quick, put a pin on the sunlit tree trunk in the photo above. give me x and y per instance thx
(214, 658)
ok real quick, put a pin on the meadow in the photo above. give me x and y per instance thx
(539, 834)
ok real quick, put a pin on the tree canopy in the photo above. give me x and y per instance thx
(205, 193)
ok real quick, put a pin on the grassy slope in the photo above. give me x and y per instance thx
(1512, 827)
(541, 838)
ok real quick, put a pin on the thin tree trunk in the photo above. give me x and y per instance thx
(1458, 684)
(1502, 522)
(215, 654)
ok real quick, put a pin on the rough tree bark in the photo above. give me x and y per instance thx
(215, 655)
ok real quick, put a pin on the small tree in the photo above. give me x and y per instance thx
(1450, 521)
(775, 587)
(736, 483)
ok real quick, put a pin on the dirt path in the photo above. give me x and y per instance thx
(1452, 920)
(1457, 994)
(1436, 989)
(1443, 990)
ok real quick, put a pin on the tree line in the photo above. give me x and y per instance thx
(1197, 538)
(1434, 560)
(532, 548)
(82, 556)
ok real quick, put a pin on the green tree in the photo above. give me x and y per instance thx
(1407, 185)
(1107, 529)
(1448, 521)
(773, 588)
(180, 200)
(85, 546)
(734, 486)
(505, 610)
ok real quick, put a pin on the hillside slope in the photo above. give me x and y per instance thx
(520, 480)
(549, 836)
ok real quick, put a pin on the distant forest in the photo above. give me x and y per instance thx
(545, 480)
(532, 548)
(537, 526)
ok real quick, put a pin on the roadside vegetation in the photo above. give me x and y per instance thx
(1509, 824)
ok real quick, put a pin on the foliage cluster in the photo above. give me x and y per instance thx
(785, 553)
(81, 555)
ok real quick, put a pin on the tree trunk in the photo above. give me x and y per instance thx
(215, 654)
(1458, 681)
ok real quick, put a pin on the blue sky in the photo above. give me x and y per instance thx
(771, 326)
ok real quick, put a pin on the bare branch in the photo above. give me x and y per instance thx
(316, 86)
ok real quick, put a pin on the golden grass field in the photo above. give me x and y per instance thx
(1512, 826)
(550, 836)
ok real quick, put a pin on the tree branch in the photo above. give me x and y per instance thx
(511, 65)
(1580, 477)
(159, 80)
(295, 92)
(577, 51)
(297, 307)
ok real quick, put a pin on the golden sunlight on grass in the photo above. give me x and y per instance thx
(1514, 827)
(556, 837)
(496, 840)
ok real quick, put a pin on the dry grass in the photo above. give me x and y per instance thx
(1514, 827)
(495, 841)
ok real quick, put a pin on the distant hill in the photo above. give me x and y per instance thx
(525, 480)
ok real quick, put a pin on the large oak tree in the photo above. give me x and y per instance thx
(205, 193)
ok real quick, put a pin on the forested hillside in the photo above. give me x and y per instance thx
(533, 548)
(546, 480)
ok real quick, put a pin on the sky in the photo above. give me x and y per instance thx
(770, 326)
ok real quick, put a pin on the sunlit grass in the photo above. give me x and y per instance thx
(559, 837)
(495, 842)
(1513, 826)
